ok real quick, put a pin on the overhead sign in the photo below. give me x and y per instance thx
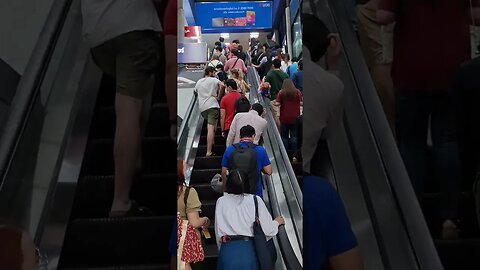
(231, 17)
(189, 53)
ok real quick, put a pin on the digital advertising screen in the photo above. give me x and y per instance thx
(220, 17)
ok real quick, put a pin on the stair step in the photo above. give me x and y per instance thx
(217, 149)
(99, 156)
(95, 194)
(205, 192)
(203, 176)
(117, 241)
(208, 209)
(469, 227)
(203, 162)
(218, 139)
(103, 125)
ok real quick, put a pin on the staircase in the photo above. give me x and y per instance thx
(94, 241)
(203, 171)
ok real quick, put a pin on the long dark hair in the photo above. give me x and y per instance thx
(237, 182)
(289, 89)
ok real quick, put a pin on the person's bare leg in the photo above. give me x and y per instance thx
(210, 138)
(146, 109)
(126, 148)
(170, 81)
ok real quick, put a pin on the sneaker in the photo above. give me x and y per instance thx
(450, 230)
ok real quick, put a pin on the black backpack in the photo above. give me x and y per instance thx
(245, 159)
(242, 105)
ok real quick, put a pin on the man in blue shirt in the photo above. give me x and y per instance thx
(298, 77)
(247, 134)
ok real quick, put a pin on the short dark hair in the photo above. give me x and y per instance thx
(220, 49)
(220, 66)
(295, 59)
(269, 36)
(236, 41)
(209, 70)
(258, 108)
(300, 64)
(237, 182)
(240, 48)
(277, 63)
(232, 83)
(266, 46)
(218, 43)
(247, 131)
(315, 36)
(221, 39)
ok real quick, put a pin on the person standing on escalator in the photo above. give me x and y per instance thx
(227, 106)
(129, 51)
(425, 97)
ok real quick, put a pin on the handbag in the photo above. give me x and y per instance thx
(266, 253)
(189, 247)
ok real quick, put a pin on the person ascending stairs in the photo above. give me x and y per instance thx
(208, 88)
(235, 214)
(249, 158)
(129, 51)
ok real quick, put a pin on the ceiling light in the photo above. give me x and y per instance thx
(225, 35)
(254, 35)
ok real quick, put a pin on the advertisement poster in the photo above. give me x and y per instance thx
(218, 17)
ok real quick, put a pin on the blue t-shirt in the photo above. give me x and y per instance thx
(262, 161)
(325, 222)
(291, 70)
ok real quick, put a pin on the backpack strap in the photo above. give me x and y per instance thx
(185, 198)
(257, 219)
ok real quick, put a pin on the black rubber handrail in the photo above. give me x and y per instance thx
(186, 119)
(29, 86)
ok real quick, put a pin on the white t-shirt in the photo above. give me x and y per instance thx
(106, 19)
(207, 92)
(235, 214)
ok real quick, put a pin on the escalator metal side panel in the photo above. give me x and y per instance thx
(388, 154)
(57, 215)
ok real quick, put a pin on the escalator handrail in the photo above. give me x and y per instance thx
(186, 119)
(398, 178)
(288, 165)
(290, 258)
(29, 86)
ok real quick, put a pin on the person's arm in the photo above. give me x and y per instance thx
(348, 260)
(232, 132)
(227, 66)
(224, 176)
(222, 119)
(247, 86)
(267, 169)
(244, 68)
(193, 209)
(386, 11)
(217, 218)
(269, 226)
(196, 221)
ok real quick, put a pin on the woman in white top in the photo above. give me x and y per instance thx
(234, 217)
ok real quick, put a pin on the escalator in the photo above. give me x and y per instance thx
(92, 240)
(201, 169)
(61, 146)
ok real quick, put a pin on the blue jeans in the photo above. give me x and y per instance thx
(414, 110)
(288, 132)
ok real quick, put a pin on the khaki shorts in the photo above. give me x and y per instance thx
(376, 40)
(132, 59)
(211, 115)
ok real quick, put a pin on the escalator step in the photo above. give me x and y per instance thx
(211, 254)
(99, 156)
(218, 140)
(95, 195)
(117, 241)
(205, 192)
(297, 167)
(208, 209)
(103, 126)
(203, 162)
(203, 176)
(459, 254)
(127, 267)
(217, 149)
(432, 202)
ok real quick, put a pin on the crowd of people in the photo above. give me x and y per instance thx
(224, 101)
